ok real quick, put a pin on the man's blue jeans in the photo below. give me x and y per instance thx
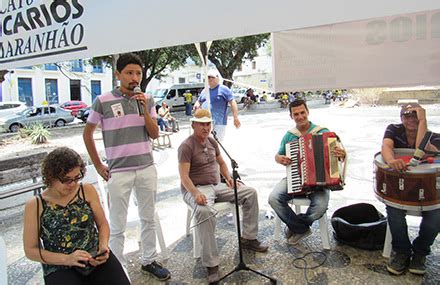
(188, 109)
(429, 228)
(162, 124)
(300, 223)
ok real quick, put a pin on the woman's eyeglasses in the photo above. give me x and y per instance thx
(67, 180)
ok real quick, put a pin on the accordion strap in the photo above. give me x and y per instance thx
(315, 130)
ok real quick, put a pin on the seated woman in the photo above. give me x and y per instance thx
(65, 226)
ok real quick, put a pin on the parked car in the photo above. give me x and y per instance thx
(74, 106)
(9, 108)
(83, 114)
(46, 115)
(239, 94)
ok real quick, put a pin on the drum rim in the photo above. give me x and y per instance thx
(409, 172)
(421, 208)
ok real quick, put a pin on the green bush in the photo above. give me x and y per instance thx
(24, 132)
(38, 133)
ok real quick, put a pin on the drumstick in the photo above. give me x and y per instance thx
(431, 160)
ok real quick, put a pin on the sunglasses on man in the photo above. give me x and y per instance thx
(410, 114)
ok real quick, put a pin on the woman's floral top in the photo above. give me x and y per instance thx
(66, 229)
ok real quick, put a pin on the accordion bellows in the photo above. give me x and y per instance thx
(313, 163)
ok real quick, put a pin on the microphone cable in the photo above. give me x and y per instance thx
(306, 266)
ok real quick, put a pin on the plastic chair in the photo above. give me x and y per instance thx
(92, 177)
(323, 223)
(388, 238)
(220, 207)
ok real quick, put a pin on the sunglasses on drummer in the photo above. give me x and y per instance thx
(410, 114)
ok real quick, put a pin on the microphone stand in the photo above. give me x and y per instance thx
(241, 265)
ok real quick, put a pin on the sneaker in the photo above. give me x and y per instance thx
(398, 263)
(297, 237)
(213, 276)
(253, 244)
(157, 270)
(417, 264)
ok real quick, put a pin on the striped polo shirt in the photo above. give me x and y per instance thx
(126, 140)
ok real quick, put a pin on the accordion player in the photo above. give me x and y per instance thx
(313, 164)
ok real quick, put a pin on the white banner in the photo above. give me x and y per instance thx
(401, 50)
(44, 31)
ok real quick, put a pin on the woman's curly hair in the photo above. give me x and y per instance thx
(58, 163)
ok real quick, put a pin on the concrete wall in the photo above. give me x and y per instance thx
(427, 96)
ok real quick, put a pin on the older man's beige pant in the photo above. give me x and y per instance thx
(205, 216)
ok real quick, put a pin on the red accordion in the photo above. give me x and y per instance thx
(313, 163)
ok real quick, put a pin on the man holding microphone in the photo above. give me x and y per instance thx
(128, 120)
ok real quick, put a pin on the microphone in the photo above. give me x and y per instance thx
(420, 151)
(138, 90)
(214, 133)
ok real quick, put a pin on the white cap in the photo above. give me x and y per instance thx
(213, 73)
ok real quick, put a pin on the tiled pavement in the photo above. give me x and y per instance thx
(253, 147)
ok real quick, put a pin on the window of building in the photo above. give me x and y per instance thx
(181, 79)
(50, 66)
(96, 89)
(254, 64)
(25, 91)
(98, 67)
(51, 86)
(77, 65)
(75, 89)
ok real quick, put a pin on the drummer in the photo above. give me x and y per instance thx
(409, 134)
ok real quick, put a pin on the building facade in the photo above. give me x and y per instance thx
(56, 83)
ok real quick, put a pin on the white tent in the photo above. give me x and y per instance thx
(43, 31)
(399, 50)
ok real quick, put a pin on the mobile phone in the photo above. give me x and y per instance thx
(99, 254)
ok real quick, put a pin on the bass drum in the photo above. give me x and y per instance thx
(417, 189)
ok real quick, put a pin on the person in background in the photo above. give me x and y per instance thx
(188, 102)
(220, 95)
(127, 135)
(68, 219)
(409, 134)
(167, 119)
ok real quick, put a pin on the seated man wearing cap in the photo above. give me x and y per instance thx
(409, 134)
(199, 164)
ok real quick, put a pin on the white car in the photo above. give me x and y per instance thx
(9, 108)
(47, 116)
(239, 95)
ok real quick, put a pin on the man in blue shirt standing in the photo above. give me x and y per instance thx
(219, 96)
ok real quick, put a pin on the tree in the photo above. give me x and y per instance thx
(156, 61)
(2, 75)
(228, 55)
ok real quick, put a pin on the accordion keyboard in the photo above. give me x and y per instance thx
(294, 183)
